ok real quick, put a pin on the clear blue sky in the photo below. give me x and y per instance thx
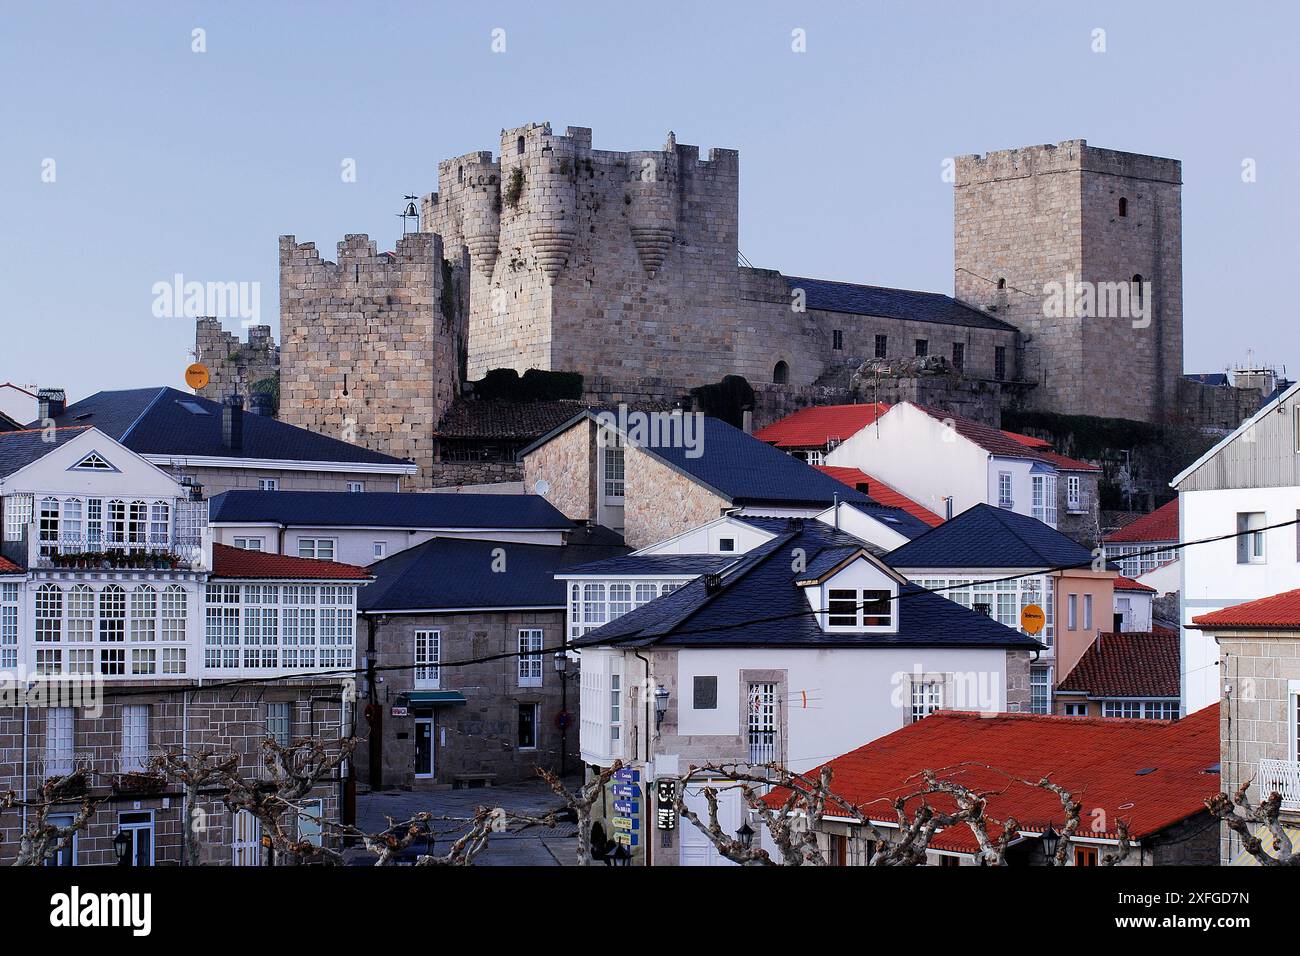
(170, 161)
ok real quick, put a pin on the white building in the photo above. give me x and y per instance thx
(1248, 482)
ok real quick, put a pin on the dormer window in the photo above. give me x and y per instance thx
(726, 544)
(858, 608)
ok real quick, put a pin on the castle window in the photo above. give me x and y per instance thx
(922, 348)
(1137, 291)
(1000, 362)
(837, 339)
(519, 146)
(1123, 206)
(460, 174)
(882, 346)
(958, 356)
(781, 374)
(1002, 282)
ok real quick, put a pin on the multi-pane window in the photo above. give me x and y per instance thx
(261, 631)
(159, 525)
(48, 526)
(1074, 493)
(592, 604)
(1004, 490)
(1250, 540)
(620, 600)
(135, 737)
(49, 612)
(58, 741)
(613, 464)
(1040, 690)
(837, 339)
(1002, 599)
(144, 615)
(298, 626)
(249, 544)
(356, 486)
(279, 721)
(1136, 560)
(615, 707)
(221, 633)
(320, 548)
(428, 653)
(112, 614)
(174, 601)
(882, 346)
(926, 698)
(922, 348)
(530, 657)
(854, 607)
(337, 625)
(1140, 709)
(762, 722)
(1044, 498)
(1000, 362)
(18, 515)
(268, 484)
(81, 615)
(8, 627)
(958, 355)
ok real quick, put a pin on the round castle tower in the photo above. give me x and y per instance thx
(552, 204)
(481, 210)
(652, 204)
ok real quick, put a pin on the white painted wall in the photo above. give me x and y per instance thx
(1136, 608)
(705, 538)
(356, 545)
(1212, 578)
(135, 477)
(864, 527)
(1166, 579)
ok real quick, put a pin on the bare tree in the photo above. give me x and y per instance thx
(293, 771)
(41, 838)
(1242, 818)
(581, 803)
(194, 772)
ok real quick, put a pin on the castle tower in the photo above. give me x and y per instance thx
(1081, 249)
(617, 265)
(234, 367)
(369, 343)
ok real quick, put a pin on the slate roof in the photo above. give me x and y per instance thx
(814, 427)
(1132, 664)
(896, 518)
(386, 509)
(881, 492)
(522, 421)
(1159, 525)
(1280, 611)
(228, 562)
(18, 449)
(760, 605)
(7, 424)
(157, 421)
(448, 573)
(1097, 759)
(989, 537)
(856, 299)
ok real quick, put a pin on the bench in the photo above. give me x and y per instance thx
(468, 781)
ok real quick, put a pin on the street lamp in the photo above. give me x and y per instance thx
(1050, 839)
(121, 844)
(561, 662)
(620, 856)
(661, 705)
(745, 835)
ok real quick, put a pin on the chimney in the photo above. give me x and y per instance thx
(51, 403)
(747, 421)
(232, 423)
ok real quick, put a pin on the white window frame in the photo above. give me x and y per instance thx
(427, 649)
(1040, 678)
(60, 735)
(530, 656)
(1073, 493)
(250, 544)
(380, 550)
(925, 697)
(135, 737)
(1252, 548)
(1072, 613)
(356, 486)
(1006, 485)
(1087, 612)
(315, 546)
(837, 612)
(613, 471)
(537, 726)
(268, 484)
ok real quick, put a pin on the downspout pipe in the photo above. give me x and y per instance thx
(649, 716)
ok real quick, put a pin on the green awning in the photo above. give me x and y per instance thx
(435, 698)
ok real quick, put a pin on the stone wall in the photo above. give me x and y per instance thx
(480, 736)
(659, 502)
(367, 353)
(567, 463)
(234, 367)
(1024, 218)
(229, 720)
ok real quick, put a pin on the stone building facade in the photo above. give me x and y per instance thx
(178, 719)
(1025, 218)
(476, 733)
(369, 345)
(234, 367)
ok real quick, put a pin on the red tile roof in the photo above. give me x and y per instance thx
(881, 492)
(1128, 584)
(1044, 448)
(1280, 611)
(8, 567)
(993, 440)
(1097, 759)
(814, 427)
(1135, 664)
(1159, 525)
(231, 562)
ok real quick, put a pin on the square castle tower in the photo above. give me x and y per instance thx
(1091, 222)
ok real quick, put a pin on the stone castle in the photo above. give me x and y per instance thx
(624, 267)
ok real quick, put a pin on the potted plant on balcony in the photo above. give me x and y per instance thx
(139, 781)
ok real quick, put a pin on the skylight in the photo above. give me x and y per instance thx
(194, 408)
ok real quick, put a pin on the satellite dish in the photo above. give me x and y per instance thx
(542, 486)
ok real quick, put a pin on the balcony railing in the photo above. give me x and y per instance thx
(762, 746)
(1282, 776)
(108, 550)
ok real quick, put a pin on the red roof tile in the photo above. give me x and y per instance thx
(1128, 584)
(1097, 759)
(993, 440)
(814, 427)
(231, 562)
(1159, 525)
(8, 567)
(1280, 611)
(1134, 664)
(881, 492)
(1044, 448)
